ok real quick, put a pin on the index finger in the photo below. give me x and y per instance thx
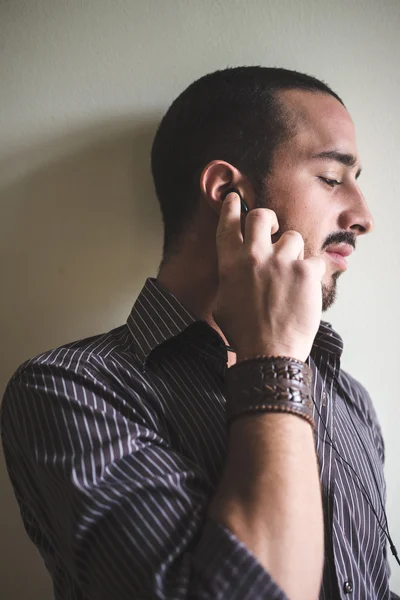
(229, 233)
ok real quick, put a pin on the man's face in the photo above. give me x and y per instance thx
(302, 187)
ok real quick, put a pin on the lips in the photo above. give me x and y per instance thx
(338, 254)
(342, 249)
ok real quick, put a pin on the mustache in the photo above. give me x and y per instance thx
(340, 237)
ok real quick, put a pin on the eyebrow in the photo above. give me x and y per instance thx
(349, 160)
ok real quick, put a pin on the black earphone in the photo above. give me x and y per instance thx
(243, 204)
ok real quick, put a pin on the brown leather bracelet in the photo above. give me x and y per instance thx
(269, 384)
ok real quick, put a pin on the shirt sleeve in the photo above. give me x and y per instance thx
(124, 513)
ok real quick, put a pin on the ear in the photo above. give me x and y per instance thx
(216, 178)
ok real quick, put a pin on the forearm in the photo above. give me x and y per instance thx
(269, 496)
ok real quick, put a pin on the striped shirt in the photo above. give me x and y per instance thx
(115, 445)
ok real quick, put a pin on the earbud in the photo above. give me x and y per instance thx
(242, 202)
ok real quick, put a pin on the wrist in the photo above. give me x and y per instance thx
(269, 384)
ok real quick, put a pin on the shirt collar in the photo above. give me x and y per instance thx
(328, 340)
(157, 316)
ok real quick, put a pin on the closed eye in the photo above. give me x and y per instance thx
(331, 182)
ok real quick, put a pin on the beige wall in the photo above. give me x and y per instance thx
(82, 85)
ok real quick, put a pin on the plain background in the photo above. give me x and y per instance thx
(82, 87)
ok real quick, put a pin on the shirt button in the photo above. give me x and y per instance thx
(347, 587)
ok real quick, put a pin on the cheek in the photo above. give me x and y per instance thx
(294, 202)
(308, 226)
(301, 206)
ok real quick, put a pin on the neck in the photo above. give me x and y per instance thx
(192, 281)
(192, 276)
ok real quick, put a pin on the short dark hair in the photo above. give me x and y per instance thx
(232, 114)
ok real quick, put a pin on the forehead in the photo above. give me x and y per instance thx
(321, 123)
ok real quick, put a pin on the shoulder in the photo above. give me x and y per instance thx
(102, 372)
(78, 355)
(104, 356)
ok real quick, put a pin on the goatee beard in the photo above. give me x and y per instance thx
(329, 293)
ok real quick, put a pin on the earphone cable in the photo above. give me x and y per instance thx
(364, 490)
(348, 399)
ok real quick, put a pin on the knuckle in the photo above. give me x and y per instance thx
(277, 265)
(224, 270)
(254, 258)
(302, 269)
(294, 234)
(222, 231)
(262, 213)
(255, 214)
(269, 212)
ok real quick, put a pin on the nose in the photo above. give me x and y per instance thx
(356, 216)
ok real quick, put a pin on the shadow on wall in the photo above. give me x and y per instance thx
(80, 230)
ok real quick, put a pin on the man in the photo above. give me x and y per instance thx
(143, 466)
